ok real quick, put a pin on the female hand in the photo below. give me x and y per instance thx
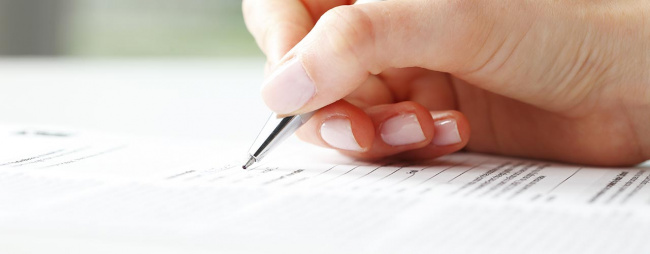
(559, 80)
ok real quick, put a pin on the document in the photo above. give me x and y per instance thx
(73, 191)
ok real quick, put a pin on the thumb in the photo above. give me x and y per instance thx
(350, 42)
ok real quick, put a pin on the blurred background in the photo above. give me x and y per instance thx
(171, 68)
(124, 28)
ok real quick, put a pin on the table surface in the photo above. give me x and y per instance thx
(178, 98)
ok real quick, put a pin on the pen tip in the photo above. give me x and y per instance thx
(250, 162)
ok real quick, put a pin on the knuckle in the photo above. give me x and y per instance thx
(346, 28)
(484, 29)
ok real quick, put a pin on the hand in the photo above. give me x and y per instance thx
(559, 80)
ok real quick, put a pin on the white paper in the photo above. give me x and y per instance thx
(71, 191)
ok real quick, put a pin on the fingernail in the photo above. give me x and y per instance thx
(402, 130)
(337, 132)
(446, 133)
(288, 88)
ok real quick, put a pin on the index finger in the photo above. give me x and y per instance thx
(278, 25)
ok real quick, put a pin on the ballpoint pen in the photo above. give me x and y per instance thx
(273, 134)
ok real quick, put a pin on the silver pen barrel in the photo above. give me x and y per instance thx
(274, 132)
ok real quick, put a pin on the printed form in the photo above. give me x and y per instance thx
(63, 191)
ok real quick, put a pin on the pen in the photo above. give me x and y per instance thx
(274, 132)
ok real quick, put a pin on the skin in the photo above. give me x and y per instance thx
(558, 80)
